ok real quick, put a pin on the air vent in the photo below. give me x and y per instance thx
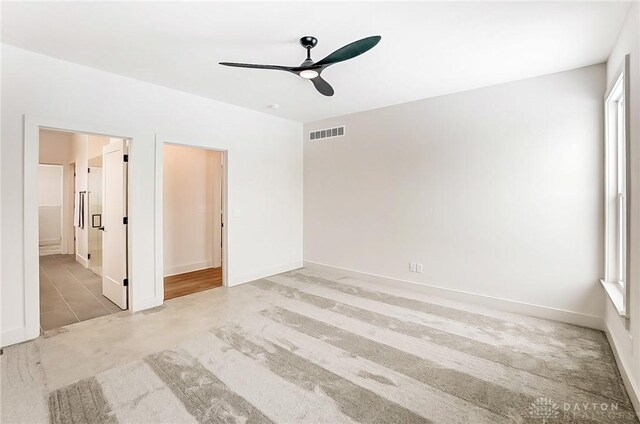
(327, 133)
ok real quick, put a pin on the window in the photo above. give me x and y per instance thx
(615, 279)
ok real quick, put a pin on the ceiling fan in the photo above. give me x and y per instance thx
(311, 70)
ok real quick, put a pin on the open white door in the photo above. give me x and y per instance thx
(114, 212)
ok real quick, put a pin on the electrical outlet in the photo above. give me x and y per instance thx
(415, 267)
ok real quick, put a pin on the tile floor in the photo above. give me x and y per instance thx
(69, 293)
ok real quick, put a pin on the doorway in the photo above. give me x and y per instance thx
(193, 223)
(82, 187)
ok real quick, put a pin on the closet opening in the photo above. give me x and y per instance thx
(193, 219)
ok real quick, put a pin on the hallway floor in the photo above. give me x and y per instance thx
(192, 282)
(69, 293)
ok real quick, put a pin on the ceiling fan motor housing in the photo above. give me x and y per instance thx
(308, 41)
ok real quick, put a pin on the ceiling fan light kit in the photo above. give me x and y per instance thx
(311, 70)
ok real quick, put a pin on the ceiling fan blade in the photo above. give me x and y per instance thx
(350, 51)
(322, 86)
(250, 65)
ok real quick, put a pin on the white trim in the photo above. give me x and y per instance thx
(31, 283)
(49, 242)
(152, 302)
(246, 278)
(46, 250)
(82, 260)
(632, 390)
(181, 269)
(620, 87)
(614, 293)
(158, 241)
(507, 305)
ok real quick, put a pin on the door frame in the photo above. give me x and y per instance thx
(161, 140)
(31, 142)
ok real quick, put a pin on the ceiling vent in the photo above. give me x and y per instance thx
(327, 133)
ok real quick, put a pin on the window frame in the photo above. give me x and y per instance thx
(617, 204)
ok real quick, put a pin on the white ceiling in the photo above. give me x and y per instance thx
(427, 49)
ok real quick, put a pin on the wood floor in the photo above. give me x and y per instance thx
(192, 282)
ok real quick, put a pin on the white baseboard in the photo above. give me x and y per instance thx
(181, 269)
(50, 250)
(506, 305)
(632, 390)
(234, 281)
(82, 260)
(13, 336)
(50, 242)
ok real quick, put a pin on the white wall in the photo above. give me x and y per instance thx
(94, 149)
(625, 336)
(54, 147)
(79, 155)
(191, 209)
(50, 210)
(496, 191)
(264, 172)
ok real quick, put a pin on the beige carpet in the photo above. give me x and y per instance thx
(316, 347)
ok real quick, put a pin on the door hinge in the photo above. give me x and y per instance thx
(125, 220)
(125, 158)
(88, 255)
(125, 282)
(88, 170)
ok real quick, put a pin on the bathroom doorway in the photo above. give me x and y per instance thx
(81, 188)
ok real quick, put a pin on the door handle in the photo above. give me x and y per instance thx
(101, 228)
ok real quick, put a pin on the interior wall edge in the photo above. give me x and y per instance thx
(624, 368)
(506, 305)
(13, 336)
(144, 304)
